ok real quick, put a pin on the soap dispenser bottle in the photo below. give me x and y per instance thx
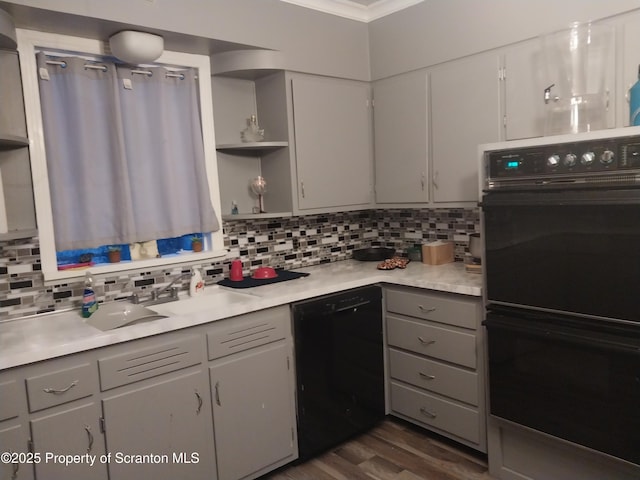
(196, 285)
(89, 302)
(634, 102)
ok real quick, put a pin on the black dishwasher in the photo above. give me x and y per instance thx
(339, 367)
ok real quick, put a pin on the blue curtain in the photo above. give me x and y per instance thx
(124, 152)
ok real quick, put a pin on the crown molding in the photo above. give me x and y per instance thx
(354, 10)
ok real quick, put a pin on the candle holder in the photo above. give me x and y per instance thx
(259, 187)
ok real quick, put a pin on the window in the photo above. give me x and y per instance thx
(174, 249)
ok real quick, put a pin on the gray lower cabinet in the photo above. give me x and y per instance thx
(167, 423)
(64, 418)
(436, 363)
(75, 430)
(252, 393)
(15, 439)
(157, 410)
(146, 408)
(519, 453)
(14, 429)
(14, 432)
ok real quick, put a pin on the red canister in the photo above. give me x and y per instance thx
(235, 272)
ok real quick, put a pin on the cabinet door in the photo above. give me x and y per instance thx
(75, 431)
(332, 142)
(15, 440)
(465, 112)
(401, 136)
(524, 91)
(252, 410)
(12, 119)
(630, 68)
(170, 420)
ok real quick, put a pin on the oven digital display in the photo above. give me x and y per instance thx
(512, 165)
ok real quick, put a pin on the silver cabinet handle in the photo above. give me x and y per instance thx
(199, 403)
(302, 189)
(427, 413)
(15, 466)
(422, 180)
(427, 377)
(427, 309)
(87, 429)
(64, 390)
(426, 342)
(434, 179)
(217, 388)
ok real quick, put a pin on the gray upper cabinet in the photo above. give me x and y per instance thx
(401, 138)
(631, 61)
(17, 208)
(333, 144)
(524, 91)
(465, 112)
(234, 101)
(317, 152)
(12, 118)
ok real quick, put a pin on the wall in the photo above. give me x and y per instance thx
(311, 41)
(436, 31)
(282, 243)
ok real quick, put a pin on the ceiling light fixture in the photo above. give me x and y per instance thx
(136, 47)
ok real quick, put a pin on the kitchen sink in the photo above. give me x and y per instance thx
(212, 297)
(110, 316)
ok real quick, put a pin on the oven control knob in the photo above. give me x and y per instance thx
(587, 158)
(569, 160)
(553, 161)
(607, 157)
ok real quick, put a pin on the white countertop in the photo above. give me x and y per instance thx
(41, 337)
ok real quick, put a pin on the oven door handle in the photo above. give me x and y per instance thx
(611, 196)
(622, 343)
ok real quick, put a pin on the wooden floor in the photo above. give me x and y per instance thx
(394, 450)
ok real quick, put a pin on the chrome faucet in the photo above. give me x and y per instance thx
(156, 294)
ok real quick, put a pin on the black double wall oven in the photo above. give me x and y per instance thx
(561, 226)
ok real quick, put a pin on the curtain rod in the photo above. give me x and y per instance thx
(103, 68)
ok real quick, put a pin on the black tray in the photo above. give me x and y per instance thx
(248, 282)
(373, 254)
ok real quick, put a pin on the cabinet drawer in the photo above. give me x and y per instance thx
(9, 400)
(437, 307)
(140, 364)
(248, 331)
(60, 387)
(435, 341)
(434, 376)
(463, 422)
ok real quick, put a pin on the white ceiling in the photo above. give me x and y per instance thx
(361, 10)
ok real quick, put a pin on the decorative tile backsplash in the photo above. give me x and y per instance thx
(289, 243)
